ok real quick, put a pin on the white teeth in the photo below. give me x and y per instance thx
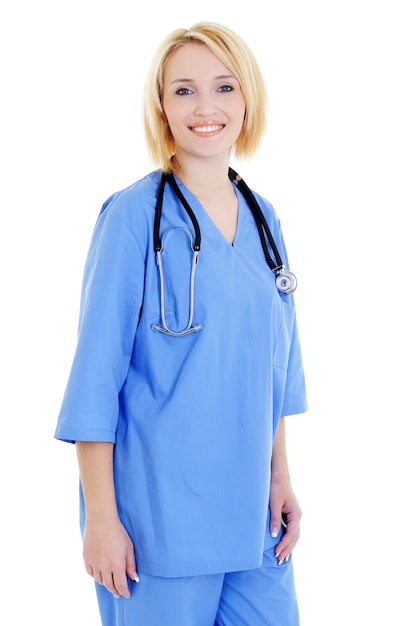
(206, 129)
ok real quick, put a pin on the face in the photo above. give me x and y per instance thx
(203, 103)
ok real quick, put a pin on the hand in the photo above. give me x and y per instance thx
(283, 503)
(109, 555)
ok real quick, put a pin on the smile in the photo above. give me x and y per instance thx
(206, 130)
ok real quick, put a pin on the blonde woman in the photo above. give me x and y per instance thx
(187, 361)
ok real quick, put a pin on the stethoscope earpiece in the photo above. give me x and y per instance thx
(286, 282)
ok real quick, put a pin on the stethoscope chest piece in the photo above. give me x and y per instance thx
(286, 282)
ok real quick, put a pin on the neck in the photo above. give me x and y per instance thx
(205, 175)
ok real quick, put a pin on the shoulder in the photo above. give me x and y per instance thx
(128, 214)
(267, 207)
(273, 222)
(269, 212)
(138, 198)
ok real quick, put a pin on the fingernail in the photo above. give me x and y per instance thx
(115, 596)
(274, 532)
(136, 578)
(286, 558)
(281, 562)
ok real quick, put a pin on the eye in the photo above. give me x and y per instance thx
(226, 88)
(183, 91)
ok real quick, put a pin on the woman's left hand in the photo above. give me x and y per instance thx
(284, 506)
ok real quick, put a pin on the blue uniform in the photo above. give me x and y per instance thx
(193, 418)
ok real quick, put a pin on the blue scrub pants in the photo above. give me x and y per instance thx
(259, 597)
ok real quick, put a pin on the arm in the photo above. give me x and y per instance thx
(282, 499)
(108, 550)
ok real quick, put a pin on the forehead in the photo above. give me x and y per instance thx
(194, 60)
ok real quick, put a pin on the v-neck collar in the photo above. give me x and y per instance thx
(207, 225)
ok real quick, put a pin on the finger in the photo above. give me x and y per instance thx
(282, 549)
(96, 574)
(120, 584)
(131, 566)
(286, 545)
(276, 523)
(109, 583)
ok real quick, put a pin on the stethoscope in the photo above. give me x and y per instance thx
(285, 280)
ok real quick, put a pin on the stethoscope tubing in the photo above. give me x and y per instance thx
(260, 222)
(264, 231)
(164, 327)
(169, 177)
(285, 280)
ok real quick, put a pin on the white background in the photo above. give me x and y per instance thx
(339, 163)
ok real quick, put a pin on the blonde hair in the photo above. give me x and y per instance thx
(236, 55)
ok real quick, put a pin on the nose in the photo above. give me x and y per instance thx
(205, 105)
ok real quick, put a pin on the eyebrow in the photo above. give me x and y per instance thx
(191, 80)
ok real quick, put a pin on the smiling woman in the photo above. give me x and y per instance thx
(187, 507)
(202, 100)
(238, 63)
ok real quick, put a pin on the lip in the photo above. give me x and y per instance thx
(207, 129)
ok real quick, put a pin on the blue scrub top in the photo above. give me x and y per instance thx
(193, 418)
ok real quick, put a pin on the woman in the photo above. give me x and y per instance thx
(184, 370)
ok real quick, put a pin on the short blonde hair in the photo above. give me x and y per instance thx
(236, 55)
